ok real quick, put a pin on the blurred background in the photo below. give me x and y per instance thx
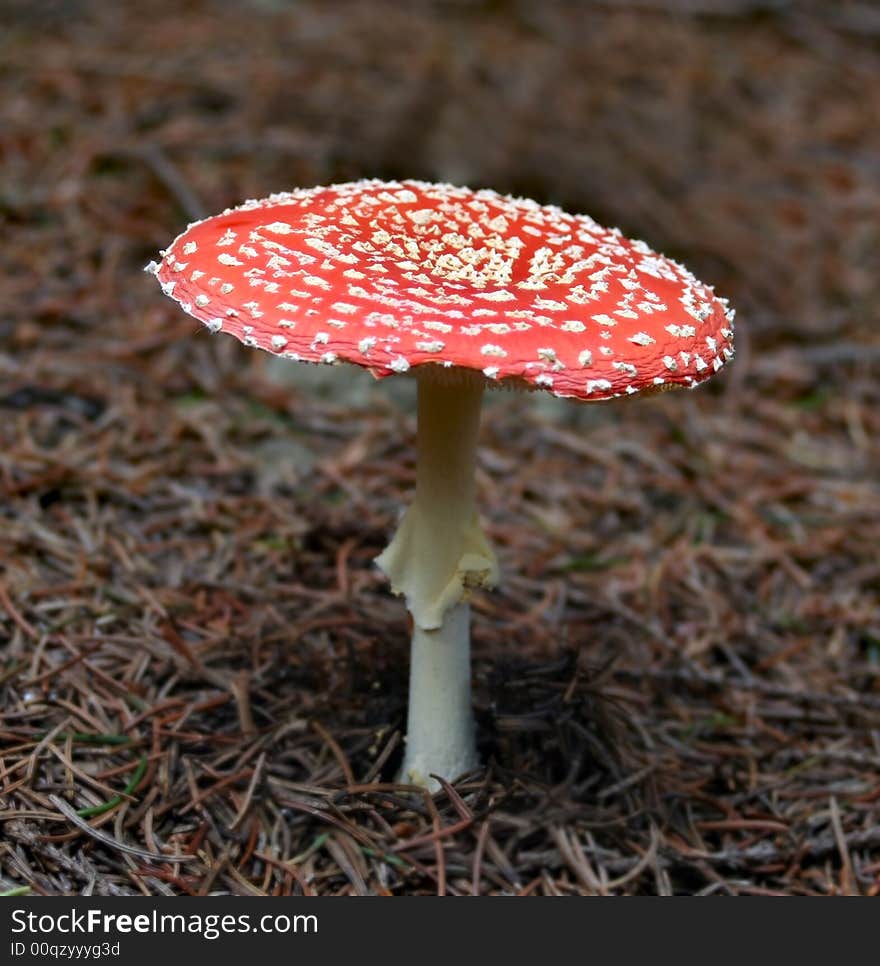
(740, 136)
(175, 514)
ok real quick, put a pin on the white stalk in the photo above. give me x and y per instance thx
(438, 553)
(440, 723)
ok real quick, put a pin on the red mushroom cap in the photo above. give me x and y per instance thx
(393, 275)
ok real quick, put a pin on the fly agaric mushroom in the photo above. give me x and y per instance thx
(463, 290)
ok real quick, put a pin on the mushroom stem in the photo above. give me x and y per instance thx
(440, 724)
(438, 553)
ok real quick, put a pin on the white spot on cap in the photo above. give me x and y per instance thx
(278, 342)
(670, 363)
(189, 248)
(316, 281)
(585, 358)
(151, 268)
(226, 259)
(366, 344)
(436, 346)
(215, 325)
(597, 385)
(491, 372)
(642, 338)
(202, 300)
(399, 364)
(423, 216)
(550, 305)
(492, 350)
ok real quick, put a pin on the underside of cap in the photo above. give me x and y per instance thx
(396, 276)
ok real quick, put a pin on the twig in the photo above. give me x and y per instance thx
(71, 815)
